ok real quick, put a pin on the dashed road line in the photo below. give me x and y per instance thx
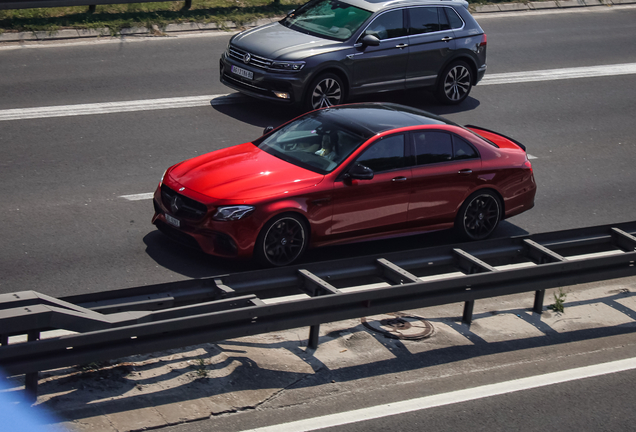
(119, 107)
(138, 197)
(559, 74)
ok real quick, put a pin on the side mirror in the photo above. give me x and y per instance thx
(360, 172)
(370, 40)
(268, 129)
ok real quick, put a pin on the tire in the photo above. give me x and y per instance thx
(282, 240)
(479, 215)
(326, 90)
(455, 83)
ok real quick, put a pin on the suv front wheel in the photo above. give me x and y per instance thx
(325, 91)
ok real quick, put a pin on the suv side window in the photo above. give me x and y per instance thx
(385, 155)
(388, 25)
(455, 21)
(424, 20)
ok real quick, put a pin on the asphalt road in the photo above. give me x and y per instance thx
(66, 230)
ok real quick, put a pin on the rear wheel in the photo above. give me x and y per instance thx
(325, 91)
(455, 83)
(282, 241)
(479, 215)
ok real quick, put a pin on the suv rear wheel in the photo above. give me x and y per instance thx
(455, 83)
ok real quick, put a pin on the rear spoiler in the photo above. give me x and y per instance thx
(497, 133)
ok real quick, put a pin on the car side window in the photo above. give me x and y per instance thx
(462, 150)
(385, 155)
(424, 20)
(454, 20)
(388, 25)
(432, 147)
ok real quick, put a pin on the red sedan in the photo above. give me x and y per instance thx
(342, 174)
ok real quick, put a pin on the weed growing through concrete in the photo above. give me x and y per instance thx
(201, 368)
(559, 301)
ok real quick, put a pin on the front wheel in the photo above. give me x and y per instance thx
(479, 215)
(455, 83)
(282, 241)
(325, 91)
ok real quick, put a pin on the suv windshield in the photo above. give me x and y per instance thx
(314, 142)
(332, 19)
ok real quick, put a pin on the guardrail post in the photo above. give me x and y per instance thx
(4, 340)
(31, 379)
(468, 311)
(92, 8)
(314, 332)
(187, 5)
(538, 301)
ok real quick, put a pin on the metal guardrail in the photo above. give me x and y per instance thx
(120, 323)
(28, 4)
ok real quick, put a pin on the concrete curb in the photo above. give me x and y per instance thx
(133, 31)
(198, 27)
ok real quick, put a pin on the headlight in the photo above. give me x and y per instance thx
(231, 213)
(290, 66)
(162, 176)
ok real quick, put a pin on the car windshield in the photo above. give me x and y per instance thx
(332, 19)
(315, 142)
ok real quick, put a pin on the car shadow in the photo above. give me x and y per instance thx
(261, 113)
(196, 264)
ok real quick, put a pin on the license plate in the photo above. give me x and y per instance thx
(173, 221)
(242, 72)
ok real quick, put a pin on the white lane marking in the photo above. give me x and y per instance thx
(559, 74)
(119, 107)
(532, 157)
(454, 397)
(197, 101)
(138, 197)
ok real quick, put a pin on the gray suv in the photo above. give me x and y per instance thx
(329, 50)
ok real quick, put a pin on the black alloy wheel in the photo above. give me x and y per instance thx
(455, 84)
(479, 215)
(325, 91)
(282, 241)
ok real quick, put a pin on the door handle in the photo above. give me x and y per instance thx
(447, 38)
(399, 179)
(400, 46)
(466, 171)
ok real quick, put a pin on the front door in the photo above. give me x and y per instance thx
(383, 67)
(368, 206)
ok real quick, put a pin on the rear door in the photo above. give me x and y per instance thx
(431, 43)
(446, 170)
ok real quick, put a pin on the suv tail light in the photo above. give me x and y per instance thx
(484, 41)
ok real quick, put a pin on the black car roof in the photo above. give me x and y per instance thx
(368, 119)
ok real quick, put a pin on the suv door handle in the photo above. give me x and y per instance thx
(400, 46)
(465, 171)
(447, 38)
(399, 179)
